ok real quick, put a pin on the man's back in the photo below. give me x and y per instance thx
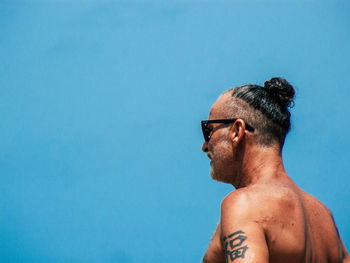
(297, 227)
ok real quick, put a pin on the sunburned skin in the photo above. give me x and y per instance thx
(268, 218)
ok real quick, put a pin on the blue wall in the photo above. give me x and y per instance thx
(100, 107)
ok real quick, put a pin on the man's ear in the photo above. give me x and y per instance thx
(237, 131)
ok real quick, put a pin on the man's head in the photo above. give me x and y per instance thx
(263, 108)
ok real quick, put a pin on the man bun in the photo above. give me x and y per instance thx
(268, 109)
(280, 91)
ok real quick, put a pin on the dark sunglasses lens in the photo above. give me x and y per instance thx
(206, 132)
(207, 136)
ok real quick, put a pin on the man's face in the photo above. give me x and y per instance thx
(219, 148)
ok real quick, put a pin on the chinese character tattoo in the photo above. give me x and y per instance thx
(233, 245)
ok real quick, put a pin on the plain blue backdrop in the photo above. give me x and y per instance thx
(101, 102)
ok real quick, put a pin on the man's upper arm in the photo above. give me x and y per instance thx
(242, 237)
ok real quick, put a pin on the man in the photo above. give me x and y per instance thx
(268, 218)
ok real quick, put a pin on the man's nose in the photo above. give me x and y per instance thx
(205, 147)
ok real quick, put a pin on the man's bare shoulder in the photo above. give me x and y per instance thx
(260, 202)
(260, 194)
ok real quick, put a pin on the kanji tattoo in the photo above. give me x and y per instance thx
(233, 245)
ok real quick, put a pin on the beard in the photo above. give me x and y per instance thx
(219, 176)
(221, 166)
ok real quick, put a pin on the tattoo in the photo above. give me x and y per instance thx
(233, 248)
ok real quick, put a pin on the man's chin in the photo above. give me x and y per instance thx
(212, 174)
(216, 177)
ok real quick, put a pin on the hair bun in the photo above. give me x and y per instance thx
(281, 91)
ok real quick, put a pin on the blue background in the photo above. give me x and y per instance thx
(101, 102)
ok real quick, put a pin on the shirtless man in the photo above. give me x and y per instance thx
(268, 218)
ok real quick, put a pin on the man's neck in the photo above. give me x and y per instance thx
(259, 166)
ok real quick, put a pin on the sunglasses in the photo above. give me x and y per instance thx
(206, 130)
